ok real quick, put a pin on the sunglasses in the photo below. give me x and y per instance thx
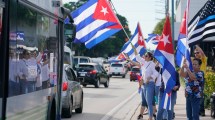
(146, 56)
(196, 53)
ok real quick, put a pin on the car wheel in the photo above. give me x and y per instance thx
(80, 109)
(106, 84)
(85, 85)
(123, 76)
(68, 111)
(97, 83)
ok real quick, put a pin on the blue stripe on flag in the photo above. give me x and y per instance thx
(166, 66)
(206, 20)
(92, 33)
(181, 51)
(101, 38)
(83, 8)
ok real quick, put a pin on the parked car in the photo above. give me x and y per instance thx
(135, 71)
(92, 74)
(72, 94)
(118, 69)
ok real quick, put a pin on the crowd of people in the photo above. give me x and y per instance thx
(28, 72)
(153, 86)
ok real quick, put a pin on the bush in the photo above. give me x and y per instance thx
(209, 87)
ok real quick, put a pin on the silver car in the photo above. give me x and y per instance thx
(72, 94)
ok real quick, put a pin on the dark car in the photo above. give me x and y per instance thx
(92, 74)
(135, 71)
(72, 94)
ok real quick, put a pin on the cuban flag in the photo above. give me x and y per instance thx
(183, 50)
(136, 42)
(91, 19)
(153, 39)
(165, 55)
(121, 57)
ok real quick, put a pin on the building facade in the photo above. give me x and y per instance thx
(195, 5)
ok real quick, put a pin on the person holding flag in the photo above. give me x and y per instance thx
(194, 81)
(199, 53)
(148, 81)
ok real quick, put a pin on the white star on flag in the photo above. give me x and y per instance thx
(141, 38)
(104, 10)
(165, 39)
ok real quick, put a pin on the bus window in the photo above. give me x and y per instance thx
(33, 62)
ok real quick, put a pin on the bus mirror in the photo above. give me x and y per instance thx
(69, 32)
(66, 12)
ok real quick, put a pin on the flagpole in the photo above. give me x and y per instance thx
(123, 28)
(173, 38)
(119, 20)
(187, 15)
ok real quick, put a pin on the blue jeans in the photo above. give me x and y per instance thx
(202, 105)
(31, 86)
(149, 95)
(144, 103)
(14, 88)
(160, 107)
(192, 107)
(23, 86)
(157, 89)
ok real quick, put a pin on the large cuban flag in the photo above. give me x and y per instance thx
(137, 41)
(165, 55)
(95, 21)
(183, 50)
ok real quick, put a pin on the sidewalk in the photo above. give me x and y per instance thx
(180, 109)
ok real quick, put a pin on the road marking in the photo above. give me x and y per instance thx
(110, 113)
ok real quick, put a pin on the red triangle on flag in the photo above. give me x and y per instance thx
(121, 56)
(104, 11)
(183, 24)
(140, 36)
(165, 42)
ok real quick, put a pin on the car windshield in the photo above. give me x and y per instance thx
(135, 70)
(86, 66)
(116, 65)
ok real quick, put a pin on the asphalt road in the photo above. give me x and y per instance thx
(118, 102)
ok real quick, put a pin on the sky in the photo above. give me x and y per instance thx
(147, 12)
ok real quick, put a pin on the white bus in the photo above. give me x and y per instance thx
(31, 63)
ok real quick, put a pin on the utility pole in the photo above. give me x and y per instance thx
(167, 7)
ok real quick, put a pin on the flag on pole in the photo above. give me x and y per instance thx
(203, 24)
(91, 18)
(102, 35)
(153, 38)
(121, 57)
(165, 55)
(183, 51)
(137, 41)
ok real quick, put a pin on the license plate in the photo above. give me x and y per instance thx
(82, 74)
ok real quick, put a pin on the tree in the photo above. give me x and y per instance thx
(159, 27)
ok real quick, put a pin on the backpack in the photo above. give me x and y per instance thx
(32, 68)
